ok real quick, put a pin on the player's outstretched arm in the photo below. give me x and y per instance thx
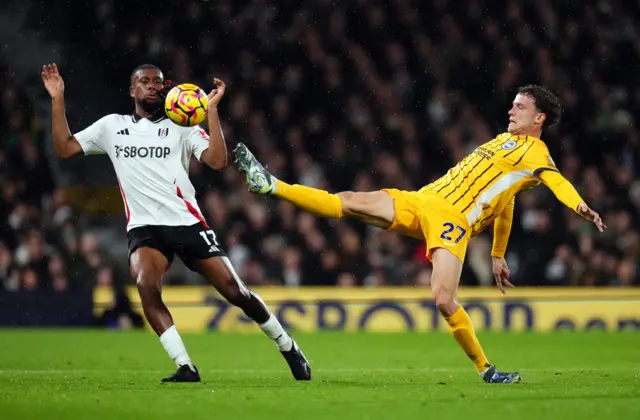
(64, 143)
(567, 194)
(501, 232)
(216, 155)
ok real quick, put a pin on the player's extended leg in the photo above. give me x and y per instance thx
(221, 274)
(447, 269)
(374, 208)
(147, 268)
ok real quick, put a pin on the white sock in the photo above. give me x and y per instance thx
(173, 344)
(274, 331)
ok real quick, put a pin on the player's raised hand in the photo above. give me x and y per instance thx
(586, 212)
(501, 274)
(216, 94)
(52, 80)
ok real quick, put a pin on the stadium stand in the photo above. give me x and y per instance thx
(341, 97)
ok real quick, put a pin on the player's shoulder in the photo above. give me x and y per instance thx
(116, 118)
(542, 152)
(539, 145)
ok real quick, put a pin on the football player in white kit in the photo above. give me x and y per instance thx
(150, 155)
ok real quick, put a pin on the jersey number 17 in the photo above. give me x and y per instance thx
(213, 243)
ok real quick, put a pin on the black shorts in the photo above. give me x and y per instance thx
(192, 243)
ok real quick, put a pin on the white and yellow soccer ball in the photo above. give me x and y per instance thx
(186, 105)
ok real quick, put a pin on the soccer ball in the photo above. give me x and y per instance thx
(186, 105)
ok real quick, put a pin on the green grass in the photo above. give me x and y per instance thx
(114, 375)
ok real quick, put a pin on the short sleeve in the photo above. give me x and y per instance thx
(538, 159)
(92, 138)
(197, 141)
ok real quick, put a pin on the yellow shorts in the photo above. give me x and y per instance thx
(429, 217)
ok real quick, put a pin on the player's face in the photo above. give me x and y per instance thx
(145, 87)
(524, 115)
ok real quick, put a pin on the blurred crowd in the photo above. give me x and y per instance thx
(42, 247)
(358, 95)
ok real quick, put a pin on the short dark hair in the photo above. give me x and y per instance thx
(546, 102)
(143, 67)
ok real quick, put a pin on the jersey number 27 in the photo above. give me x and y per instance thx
(450, 227)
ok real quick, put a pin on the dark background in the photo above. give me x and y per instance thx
(340, 95)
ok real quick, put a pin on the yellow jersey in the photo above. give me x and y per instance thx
(484, 183)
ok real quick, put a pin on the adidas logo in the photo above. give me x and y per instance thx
(124, 132)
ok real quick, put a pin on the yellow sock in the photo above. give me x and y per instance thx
(314, 201)
(462, 330)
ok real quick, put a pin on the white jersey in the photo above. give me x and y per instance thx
(151, 160)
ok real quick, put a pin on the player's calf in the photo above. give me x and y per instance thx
(223, 277)
(147, 268)
(447, 269)
(374, 208)
(221, 274)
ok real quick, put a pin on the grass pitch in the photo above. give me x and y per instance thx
(115, 375)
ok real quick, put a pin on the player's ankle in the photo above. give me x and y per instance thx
(284, 343)
(482, 370)
(274, 184)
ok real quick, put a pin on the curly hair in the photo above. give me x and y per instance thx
(546, 102)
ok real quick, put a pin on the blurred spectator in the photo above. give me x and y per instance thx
(120, 315)
(356, 97)
(40, 249)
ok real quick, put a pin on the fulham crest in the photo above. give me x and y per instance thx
(163, 132)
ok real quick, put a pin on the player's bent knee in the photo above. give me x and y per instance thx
(147, 279)
(444, 295)
(445, 301)
(447, 269)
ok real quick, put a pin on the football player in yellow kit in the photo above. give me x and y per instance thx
(478, 191)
